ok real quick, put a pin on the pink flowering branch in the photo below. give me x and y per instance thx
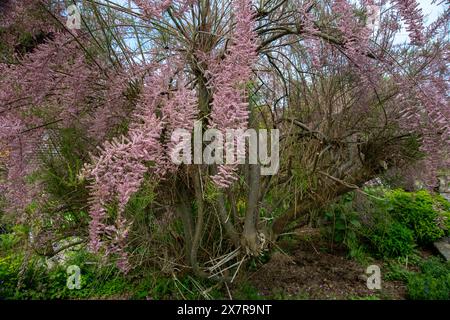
(229, 79)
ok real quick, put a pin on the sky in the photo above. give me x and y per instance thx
(430, 12)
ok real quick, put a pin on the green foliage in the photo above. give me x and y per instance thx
(29, 277)
(61, 163)
(433, 283)
(397, 272)
(9, 270)
(380, 226)
(425, 287)
(138, 207)
(33, 278)
(211, 192)
(420, 211)
(390, 224)
(392, 240)
(387, 223)
(140, 201)
(8, 241)
(426, 279)
(346, 228)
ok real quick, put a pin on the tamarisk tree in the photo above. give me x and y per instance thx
(349, 100)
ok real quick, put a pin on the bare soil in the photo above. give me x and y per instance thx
(311, 270)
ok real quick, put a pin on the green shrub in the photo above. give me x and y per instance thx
(345, 228)
(98, 281)
(435, 267)
(425, 287)
(397, 272)
(393, 240)
(382, 235)
(433, 283)
(9, 270)
(8, 241)
(387, 222)
(32, 279)
(421, 212)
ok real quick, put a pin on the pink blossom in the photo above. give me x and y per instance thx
(230, 76)
(413, 18)
(155, 8)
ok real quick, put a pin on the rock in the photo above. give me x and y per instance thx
(444, 186)
(446, 195)
(444, 183)
(443, 246)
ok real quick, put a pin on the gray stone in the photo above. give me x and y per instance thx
(444, 183)
(443, 246)
(446, 195)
